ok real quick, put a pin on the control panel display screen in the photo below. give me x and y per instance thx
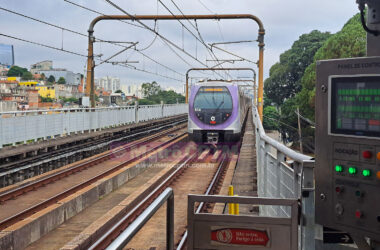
(355, 105)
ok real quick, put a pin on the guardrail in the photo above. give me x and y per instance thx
(25, 126)
(122, 240)
(285, 173)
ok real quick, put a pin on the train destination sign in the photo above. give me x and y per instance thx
(239, 236)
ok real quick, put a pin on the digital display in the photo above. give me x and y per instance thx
(355, 105)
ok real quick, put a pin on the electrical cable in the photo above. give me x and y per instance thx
(200, 39)
(365, 27)
(205, 6)
(100, 40)
(161, 37)
(149, 72)
(44, 45)
(147, 27)
(154, 39)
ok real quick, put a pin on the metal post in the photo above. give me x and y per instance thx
(170, 223)
(260, 101)
(308, 220)
(136, 111)
(299, 130)
(90, 68)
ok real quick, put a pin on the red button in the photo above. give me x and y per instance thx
(358, 214)
(339, 189)
(367, 154)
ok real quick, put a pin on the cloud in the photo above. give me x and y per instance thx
(284, 22)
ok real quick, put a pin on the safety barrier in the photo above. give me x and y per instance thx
(285, 173)
(165, 197)
(25, 126)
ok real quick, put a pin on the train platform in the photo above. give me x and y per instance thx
(244, 180)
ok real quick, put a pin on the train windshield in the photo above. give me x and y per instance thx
(213, 98)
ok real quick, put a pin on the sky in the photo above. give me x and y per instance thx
(284, 22)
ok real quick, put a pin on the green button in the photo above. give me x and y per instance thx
(352, 170)
(338, 168)
(366, 172)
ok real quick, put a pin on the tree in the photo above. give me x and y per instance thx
(149, 89)
(27, 76)
(61, 80)
(119, 91)
(349, 42)
(16, 71)
(270, 118)
(43, 77)
(47, 99)
(51, 79)
(285, 76)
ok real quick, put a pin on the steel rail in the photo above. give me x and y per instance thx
(212, 185)
(167, 195)
(112, 233)
(11, 194)
(27, 212)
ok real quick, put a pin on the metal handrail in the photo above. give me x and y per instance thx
(85, 109)
(298, 157)
(122, 240)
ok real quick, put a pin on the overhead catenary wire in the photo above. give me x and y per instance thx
(228, 52)
(149, 72)
(205, 6)
(43, 45)
(165, 40)
(116, 43)
(200, 38)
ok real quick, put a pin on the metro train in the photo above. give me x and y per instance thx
(217, 110)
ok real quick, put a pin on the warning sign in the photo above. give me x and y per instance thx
(240, 236)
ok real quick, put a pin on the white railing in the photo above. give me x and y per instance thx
(285, 173)
(25, 126)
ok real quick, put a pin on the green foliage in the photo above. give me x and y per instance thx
(61, 80)
(119, 91)
(149, 89)
(270, 118)
(16, 71)
(285, 77)
(154, 95)
(47, 99)
(27, 76)
(347, 43)
(51, 79)
(43, 77)
(69, 99)
(146, 102)
(297, 70)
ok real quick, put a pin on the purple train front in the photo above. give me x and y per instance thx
(216, 112)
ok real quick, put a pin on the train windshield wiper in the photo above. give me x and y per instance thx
(220, 105)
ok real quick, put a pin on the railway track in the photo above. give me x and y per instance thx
(39, 164)
(107, 163)
(186, 177)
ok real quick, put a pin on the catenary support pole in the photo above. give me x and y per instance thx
(90, 60)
